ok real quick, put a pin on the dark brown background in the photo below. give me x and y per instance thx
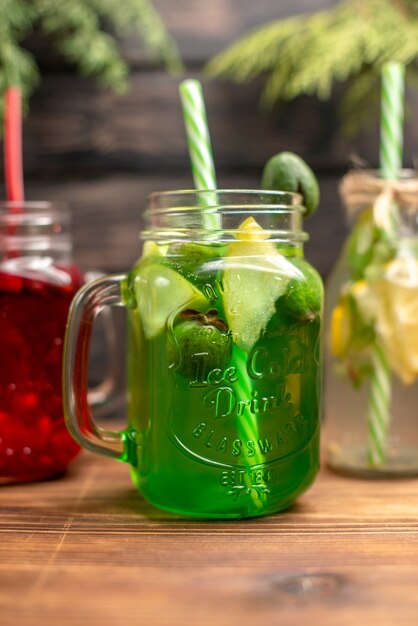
(104, 154)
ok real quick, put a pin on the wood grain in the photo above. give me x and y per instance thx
(74, 126)
(89, 549)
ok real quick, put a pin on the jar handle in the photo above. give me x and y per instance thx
(107, 395)
(84, 309)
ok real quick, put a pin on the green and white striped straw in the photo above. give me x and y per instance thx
(248, 426)
(200, 148)
(203, 170)
(379, 407)
(392, 119)
(391, 149)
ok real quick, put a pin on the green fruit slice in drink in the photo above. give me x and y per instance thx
(189, 258)
(159, 291)
(302, 300)
(198, 335)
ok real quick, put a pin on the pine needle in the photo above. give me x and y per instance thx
(309, 53)
(76, 30)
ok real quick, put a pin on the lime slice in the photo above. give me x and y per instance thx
(288, 172)
(190, 338)
(255, 276)
(195, 261)
(303, 298)
(160, 291)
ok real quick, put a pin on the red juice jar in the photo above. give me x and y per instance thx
(37, 283)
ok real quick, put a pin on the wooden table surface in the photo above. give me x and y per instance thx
(87, 549)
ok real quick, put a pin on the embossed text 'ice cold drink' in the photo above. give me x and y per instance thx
(223, 356)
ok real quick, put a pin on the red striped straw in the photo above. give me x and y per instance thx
(13, 166)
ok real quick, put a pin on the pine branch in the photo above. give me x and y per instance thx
(17, 66)
(75, 27)
(360, 103)
(307, 54)
(140, 17)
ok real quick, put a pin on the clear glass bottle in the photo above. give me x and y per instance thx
(371, 364)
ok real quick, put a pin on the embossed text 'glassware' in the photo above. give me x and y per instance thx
(224, 376)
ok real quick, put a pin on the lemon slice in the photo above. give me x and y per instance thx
(151, 248)
(392, 305)
(250, 230)
(255, 276)
(340, 331)
(161, 291)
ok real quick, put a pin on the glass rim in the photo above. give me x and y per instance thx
(50, 218)
(223, 201)
(406, 172)
(40, 212)
(22, 210)
(175, 193)
(40, 205)
(181, 214)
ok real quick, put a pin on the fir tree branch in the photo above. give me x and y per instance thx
(76, 31)
(75, 27)
(17, 66)
(140, 17)
(360, 102)
(307, 54)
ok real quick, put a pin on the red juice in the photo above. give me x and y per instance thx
(34, 442)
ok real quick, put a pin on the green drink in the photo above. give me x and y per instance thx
(224, 378)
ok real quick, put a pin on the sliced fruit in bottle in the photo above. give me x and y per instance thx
(255, 276)
(196, 337)
(159, 292)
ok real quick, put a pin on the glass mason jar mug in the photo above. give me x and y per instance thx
(38, 280)
(223, 355)
(372, 316)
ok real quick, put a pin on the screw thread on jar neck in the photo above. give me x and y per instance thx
(35, 229)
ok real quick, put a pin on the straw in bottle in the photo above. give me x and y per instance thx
(391, 148)
(13, 167)
(392, 119)
(203, 170)
(200, 148)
